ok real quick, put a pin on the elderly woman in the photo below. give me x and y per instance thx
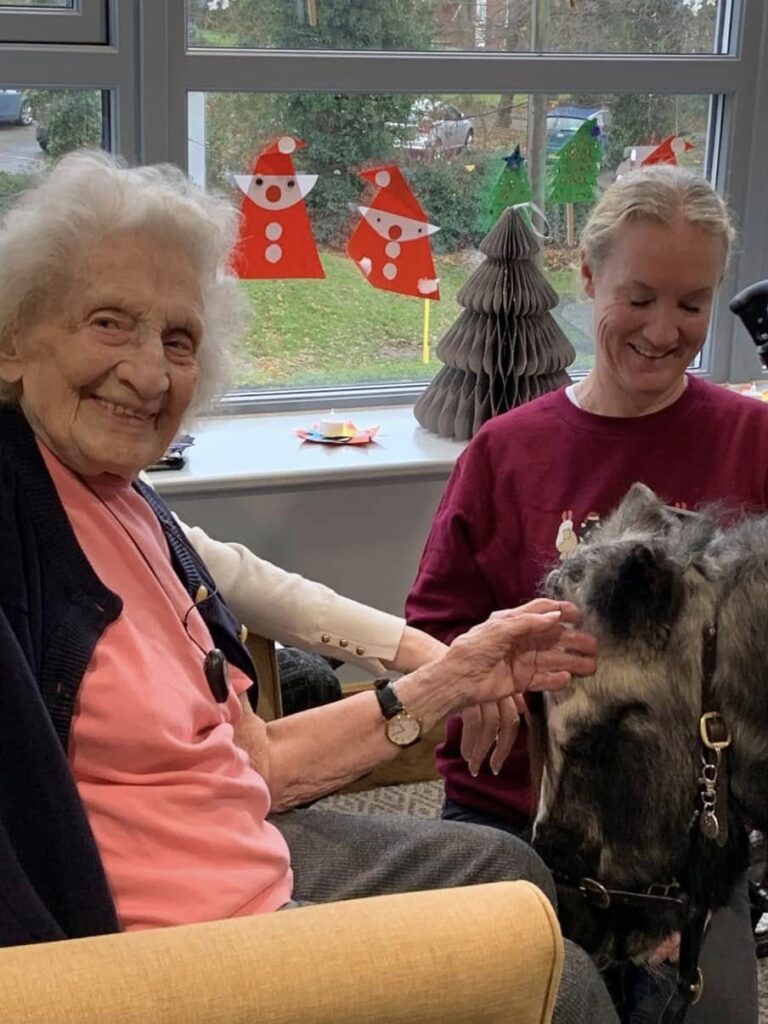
(136, 780)
(534, 480)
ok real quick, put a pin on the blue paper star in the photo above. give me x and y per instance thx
(514, 161)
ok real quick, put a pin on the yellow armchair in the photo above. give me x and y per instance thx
(489, 954)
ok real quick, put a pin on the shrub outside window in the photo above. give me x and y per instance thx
(39, 125)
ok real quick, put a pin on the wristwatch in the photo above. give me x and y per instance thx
(402, 728)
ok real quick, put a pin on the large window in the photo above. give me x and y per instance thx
(451, 148)
(443, 89)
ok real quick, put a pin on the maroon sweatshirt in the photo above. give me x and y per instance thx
(531, 483)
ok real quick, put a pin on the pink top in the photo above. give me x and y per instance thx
(177, 811)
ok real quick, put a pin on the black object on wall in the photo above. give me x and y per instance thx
(751, 306)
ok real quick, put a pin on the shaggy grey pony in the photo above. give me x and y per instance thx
(619, 753)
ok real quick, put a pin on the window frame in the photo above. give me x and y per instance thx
(114, 68)
(148, 71)
(86, 22)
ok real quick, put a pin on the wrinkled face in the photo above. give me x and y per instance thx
(619, 782)
(652, 302)
(107, 375)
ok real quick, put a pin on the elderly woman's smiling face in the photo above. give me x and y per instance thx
(107, 376)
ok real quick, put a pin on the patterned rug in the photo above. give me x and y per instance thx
(424, 799)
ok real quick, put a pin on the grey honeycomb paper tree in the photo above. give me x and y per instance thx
(505, 347)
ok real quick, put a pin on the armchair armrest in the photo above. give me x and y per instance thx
(263, 653)
(488, 954)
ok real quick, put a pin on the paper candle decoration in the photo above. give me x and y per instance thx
(275, 239)
(511, 188)
(668, 151)
(505, 348)
(574, 175)
(391, 242)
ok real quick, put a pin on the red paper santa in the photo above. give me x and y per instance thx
(391, 242)
(275, 239)
(668, 151)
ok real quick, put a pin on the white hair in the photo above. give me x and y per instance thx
(89, 196)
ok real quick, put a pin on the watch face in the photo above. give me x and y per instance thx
(403, 729)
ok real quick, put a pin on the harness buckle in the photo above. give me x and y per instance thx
(671, 891)
(714, 731)
(595, 893)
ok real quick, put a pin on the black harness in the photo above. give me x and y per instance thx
(711, 816)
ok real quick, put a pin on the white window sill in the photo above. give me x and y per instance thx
(260, 452)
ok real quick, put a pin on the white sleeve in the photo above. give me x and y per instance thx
(285, 607)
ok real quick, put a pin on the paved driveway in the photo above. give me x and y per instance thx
(19, 151)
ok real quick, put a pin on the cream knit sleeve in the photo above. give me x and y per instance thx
(286, 607)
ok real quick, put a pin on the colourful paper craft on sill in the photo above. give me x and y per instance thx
(348, 433)
(391, 244)
(276, 238)
(668, 151)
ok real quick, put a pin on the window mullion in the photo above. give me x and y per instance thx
(277, 71)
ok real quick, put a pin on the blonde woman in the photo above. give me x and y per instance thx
(652, 258)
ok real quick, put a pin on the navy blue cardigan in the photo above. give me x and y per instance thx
(53, 609)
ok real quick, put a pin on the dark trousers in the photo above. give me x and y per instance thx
(727, 961)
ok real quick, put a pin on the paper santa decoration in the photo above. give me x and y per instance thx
(275, 239)
(391, 242)
(668, 151)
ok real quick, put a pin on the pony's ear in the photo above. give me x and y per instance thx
(641, 511)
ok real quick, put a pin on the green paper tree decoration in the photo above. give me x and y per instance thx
(511, 188)
(574, 176)
(505, 347)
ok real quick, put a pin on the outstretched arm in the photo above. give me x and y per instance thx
(315, 752)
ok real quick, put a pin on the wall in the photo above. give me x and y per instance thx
(363, 539)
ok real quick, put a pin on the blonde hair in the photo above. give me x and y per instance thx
(659, 193)
(89, 196)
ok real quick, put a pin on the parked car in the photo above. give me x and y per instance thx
(564, 122)
(15, 108)
(434, 127)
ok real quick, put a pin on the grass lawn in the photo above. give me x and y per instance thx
(343, 331)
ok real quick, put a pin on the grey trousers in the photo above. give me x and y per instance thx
(339, 856)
